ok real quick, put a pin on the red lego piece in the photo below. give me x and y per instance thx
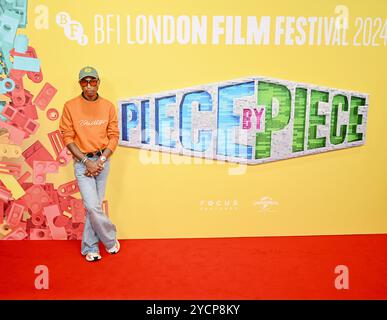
(36, 198)
(36, 152)
(19, 119)
(24, 177)
(61, 221)
(16, 135)
(52, 192)
(68, 188)
(63, 156)
(78, 211)
(5, 194)
(45, 96)
(11, 168)
(57, 233)
(52, 114)
(30, 53)
(15, 214)
(17, 94)
(37, 219)
(40, 234)
(1, 211)
(41, 168)
(65, 203)
(18, 234)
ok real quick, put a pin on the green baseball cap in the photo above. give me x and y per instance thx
(88, 72)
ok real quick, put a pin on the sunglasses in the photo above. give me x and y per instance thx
(84, 82)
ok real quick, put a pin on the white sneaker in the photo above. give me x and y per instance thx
(115, 249)
(93, 256)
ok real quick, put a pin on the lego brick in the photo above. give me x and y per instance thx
(36, 198)
(37, 219)
(21, 43)
(52, 114)
(50, 212)
(36, 152)
(41, 168)
(61, 221)
(10, 168)
(28, 110)
(56, 141)
(65, 204)
(27, 64)
(68, 188)
(15, 214)
(64, 156)
(4, 138)
(52, 192)
(24, 177)
(16, 135)
(40, 234)
(10, 150)
(11, 183)
(17, 118)
(4, 230)
(5, 194)
(17, 94)
(45, 96)
(6, 85)
(17, 234)
(78, 211)
(9, 22)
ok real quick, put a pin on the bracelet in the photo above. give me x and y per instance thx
(84, 159)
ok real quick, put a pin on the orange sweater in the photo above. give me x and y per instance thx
(91, 125)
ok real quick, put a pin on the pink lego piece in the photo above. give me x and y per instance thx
(36, 198)
(16, 135)
(105, 207)
(68, 188)
(57, 233)
(78, 211)
(15, 214)
(40, 234)
(37, 219)
(11, 168)
(36, 152)
(18, 234)
(41, 168)
(45, 96)
(30, 53)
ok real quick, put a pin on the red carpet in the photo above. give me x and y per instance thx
(228, 268)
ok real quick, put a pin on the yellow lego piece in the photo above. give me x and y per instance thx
(13, 185)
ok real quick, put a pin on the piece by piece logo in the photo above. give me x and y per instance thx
(251, 120)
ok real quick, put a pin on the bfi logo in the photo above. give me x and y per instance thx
(251, 120)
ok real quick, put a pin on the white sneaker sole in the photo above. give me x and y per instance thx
(117, 246)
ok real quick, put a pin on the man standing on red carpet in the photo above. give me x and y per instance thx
(89, 127)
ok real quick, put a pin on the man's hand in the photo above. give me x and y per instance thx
(93, 168)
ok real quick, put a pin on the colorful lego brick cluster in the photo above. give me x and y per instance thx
(33, 210)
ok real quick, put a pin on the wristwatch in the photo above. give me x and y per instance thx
(103, 158)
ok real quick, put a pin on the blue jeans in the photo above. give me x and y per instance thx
(98, 226)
